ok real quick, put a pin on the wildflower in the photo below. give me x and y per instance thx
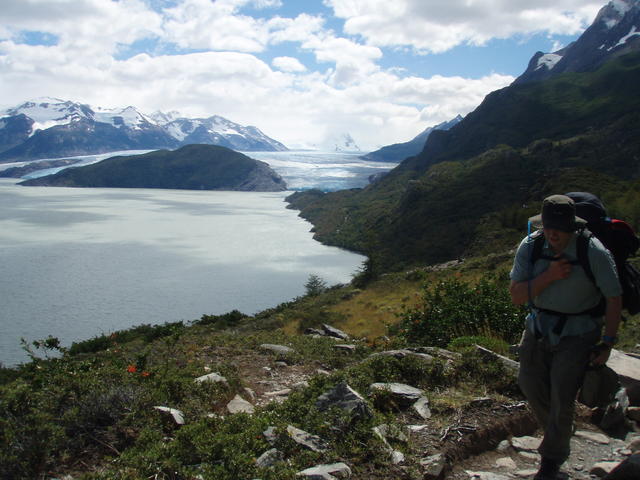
(131, 369)
(146, 374)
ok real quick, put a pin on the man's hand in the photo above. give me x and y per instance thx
(559, 269)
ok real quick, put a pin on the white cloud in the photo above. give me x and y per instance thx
(288, 64)
(84, 27)
(436, 26)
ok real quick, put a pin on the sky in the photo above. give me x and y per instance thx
(303, 71)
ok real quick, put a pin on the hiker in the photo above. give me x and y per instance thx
(563, 330)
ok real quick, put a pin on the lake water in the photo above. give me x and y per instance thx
(81, 262)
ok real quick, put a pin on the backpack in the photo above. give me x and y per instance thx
(616, 235)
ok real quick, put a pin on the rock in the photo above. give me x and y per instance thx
(433, 466)
(313, 331)
(503, 446)
(439, 352)
(511, 365)
(531, 456)
(281, 349)
(417, 428)
(628, 370)
(421, 406)
(634, 444)
(269, 458)
(212, 377)
(397, 457)
(627, 470)
(601, 469)
(176, 415)
(526, 473)
(403, 395)
(239, 405)
(595, 437)
(345, 348)
(300, 385)
(270, 435)
(526, 443)
(487, 476)
(345, 398)
(326, 472)
(334, 332)
(250, 393)
(399, 354)
(278, 393)
(506, 463)
(305, 439)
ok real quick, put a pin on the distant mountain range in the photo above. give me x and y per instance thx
(566, 126)
(192, 167)
(399, 151)
(54, 128)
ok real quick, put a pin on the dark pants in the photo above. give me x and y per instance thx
(550, 377)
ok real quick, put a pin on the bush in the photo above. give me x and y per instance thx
(453, 308)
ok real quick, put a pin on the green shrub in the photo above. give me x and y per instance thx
(452, 308)
(494, 344)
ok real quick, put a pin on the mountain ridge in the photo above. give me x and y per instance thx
(52, 128)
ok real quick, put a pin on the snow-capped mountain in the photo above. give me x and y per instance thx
(342, 142)
(218, 131)
(50, 128)
(614, 32)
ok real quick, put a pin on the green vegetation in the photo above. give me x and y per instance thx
(454, 308)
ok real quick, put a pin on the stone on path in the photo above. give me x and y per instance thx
(345, 348)
(506, 463)
(433, 466)
(628, 370)
(240, 405)
(421, 407)
(487, 476)
(526, 443)
(326, 472)
(526, 473)
(312, 442)
(595, 437)
(175, 414)
(277, 348)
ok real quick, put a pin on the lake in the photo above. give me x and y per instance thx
(77, 263)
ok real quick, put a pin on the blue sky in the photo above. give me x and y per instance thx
(302, 71)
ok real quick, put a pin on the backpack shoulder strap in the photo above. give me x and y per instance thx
(582, 251)
(536, 249)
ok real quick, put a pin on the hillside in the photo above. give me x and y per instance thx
(233, 396)
(472, 188)
(193, 167)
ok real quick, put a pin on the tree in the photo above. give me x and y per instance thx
(315, 285)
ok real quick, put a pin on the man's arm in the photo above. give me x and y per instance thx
(611, 323)
(558, 269)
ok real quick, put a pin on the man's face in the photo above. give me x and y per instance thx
(557, 239)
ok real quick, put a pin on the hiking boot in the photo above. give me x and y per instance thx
(549, 469)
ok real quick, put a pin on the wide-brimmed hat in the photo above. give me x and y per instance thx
(559, 213)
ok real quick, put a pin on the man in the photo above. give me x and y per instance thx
(562, 335)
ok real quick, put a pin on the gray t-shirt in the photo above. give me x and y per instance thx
(574, 294)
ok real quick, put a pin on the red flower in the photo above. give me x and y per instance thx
(145, 374)
(131, 369)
